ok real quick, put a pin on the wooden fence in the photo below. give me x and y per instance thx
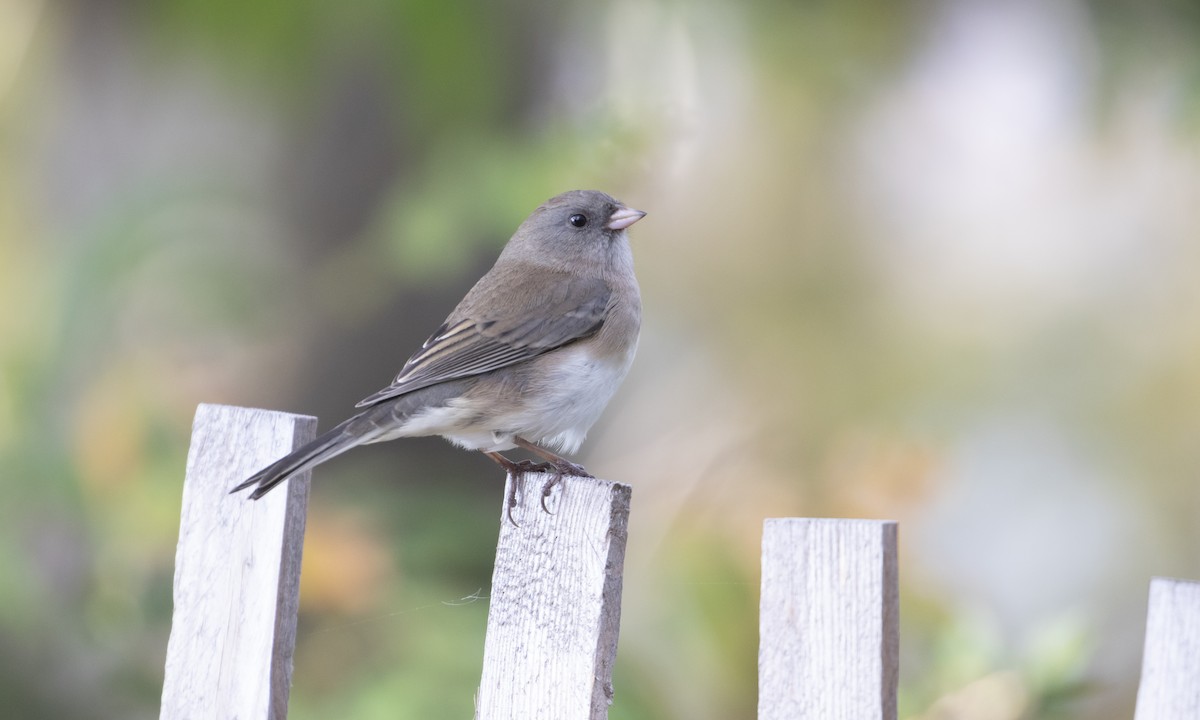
(829, 636)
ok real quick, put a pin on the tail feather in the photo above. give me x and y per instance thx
(335, 442)
(382, 421)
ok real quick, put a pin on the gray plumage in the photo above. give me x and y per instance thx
(529, 357)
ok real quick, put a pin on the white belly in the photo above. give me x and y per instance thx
(555, 414)
(581, 390)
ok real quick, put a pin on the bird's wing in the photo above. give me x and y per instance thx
(479, 341)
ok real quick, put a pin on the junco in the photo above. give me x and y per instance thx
(528, 359)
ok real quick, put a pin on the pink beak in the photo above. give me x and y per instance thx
(623, 218)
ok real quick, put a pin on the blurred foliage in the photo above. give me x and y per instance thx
(929, 261)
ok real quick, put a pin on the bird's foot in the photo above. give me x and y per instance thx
(557, 470)
(556, 465)
(514, 471)
(527, 466)
(562, 468)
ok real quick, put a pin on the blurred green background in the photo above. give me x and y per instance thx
(930, 261)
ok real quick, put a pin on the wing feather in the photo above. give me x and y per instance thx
(568, 309)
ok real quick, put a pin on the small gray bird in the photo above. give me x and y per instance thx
(528, 359)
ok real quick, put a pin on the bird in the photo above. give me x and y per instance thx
(528, 359)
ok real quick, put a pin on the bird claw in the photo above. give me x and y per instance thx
(555, 479)
(512, 497)
(557, 469)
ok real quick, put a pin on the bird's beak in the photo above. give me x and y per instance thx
(623, 218)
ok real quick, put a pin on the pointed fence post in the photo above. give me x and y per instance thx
(1170, 686)
(555, 602)
(829, 638)
(237, 570)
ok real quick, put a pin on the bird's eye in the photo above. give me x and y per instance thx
(577, 220)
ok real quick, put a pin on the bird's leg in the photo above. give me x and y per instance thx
(557, 465)
(555, 461)
(514, 470)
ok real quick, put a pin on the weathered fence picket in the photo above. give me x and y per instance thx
(237, 571)
(1170, 687)
(828, 622)
(555, 602)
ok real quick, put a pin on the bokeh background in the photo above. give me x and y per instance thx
(932, 261)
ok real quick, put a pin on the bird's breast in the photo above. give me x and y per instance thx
(576, 388)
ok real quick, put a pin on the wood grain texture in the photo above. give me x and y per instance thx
(237, 570)
(828, 626)
(555, 602)
(1170, 686)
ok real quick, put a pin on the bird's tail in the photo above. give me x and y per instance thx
(345, 436)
